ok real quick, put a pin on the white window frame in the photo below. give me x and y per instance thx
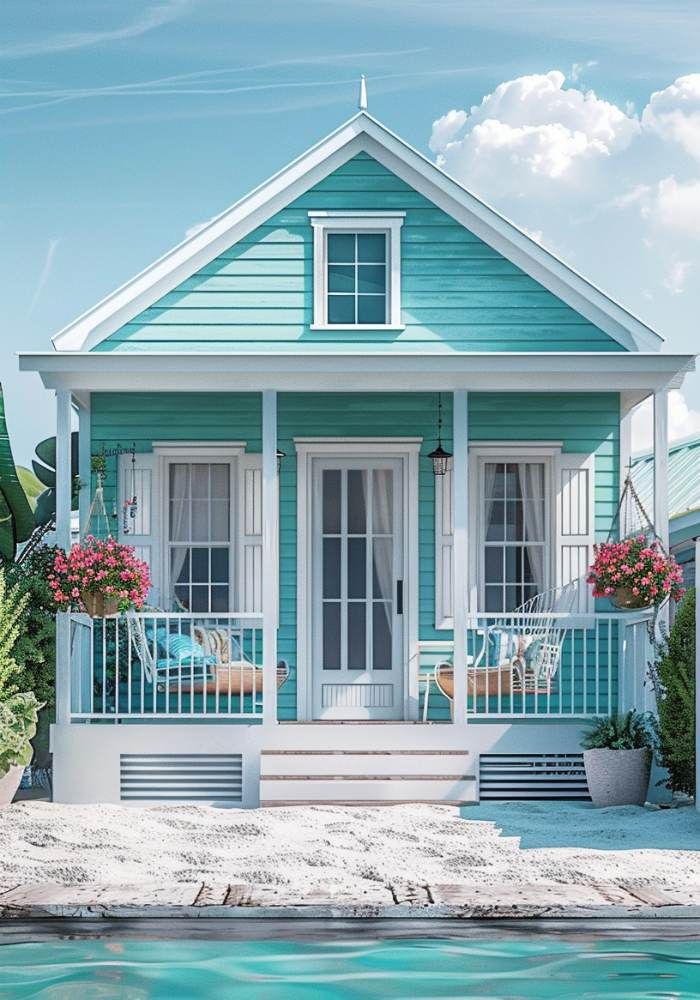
(387, 223)
(549, 546)
(480, 453)
(168, 453)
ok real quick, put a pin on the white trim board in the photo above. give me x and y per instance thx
(406, 449)
(636, 374)
(362, 133)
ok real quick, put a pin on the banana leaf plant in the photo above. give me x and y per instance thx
(45, 471)
(28, 512)
(16, 517)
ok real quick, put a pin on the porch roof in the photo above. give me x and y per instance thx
(636, 374)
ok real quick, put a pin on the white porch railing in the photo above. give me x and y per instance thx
(551, 666)
(156, 665)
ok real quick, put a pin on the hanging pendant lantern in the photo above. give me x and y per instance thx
(281, 455)
(440, 457)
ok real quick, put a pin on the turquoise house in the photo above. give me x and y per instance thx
(365, 432)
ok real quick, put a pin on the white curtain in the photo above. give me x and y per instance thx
(383, 548)
(490, 470)
(531, 487)
(179, 522)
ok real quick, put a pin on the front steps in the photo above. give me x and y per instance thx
(366, 777)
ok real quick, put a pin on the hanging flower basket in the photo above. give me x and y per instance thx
(101, 576)
(635, 574)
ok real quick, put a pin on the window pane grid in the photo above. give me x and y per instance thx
(514, 543)
(356, 278)
(199, 535)
(357, 569)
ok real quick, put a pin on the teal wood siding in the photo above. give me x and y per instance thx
(457, 293)
(584, 422)
(142, 418)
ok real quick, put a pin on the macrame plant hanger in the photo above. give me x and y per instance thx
(630, 517)
(98, 522)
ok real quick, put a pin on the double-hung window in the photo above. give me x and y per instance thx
(357, 270)
(199, 535)
(514, 542)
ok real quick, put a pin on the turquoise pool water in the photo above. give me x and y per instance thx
(351, 968)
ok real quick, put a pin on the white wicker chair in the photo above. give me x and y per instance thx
(520, 673)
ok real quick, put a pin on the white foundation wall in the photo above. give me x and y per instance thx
(89, 760)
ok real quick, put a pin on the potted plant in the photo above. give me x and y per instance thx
(100, 575)
(18, 710)
(617, 754)
(635, 573)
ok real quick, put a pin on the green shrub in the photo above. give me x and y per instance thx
(18, 717)
(628, 731)
(675, 674)
(18, 710)
(35, 647)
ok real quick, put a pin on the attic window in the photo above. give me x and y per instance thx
(357, 270)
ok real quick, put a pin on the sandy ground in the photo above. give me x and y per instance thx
(348, 847)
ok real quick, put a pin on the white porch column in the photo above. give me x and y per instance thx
(661, 465)
(63, 468)
(63, 512)
(697, 676)
(84, 449)
(460, 560)
(270, 554)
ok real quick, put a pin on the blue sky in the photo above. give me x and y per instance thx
(123, 125)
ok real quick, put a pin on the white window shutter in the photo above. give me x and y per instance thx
(142, 530)
(250, 534)
(443, 548)
(574, 493)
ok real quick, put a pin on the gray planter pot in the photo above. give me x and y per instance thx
(9, 783)
(618, 777)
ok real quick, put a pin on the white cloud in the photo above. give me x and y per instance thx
(683, 421)
(578, 69)
(198, 227)
(676, 275)
(535, 125)
(674, 113)
(677, 205)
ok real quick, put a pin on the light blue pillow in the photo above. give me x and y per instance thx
(180, 649)
(501, 647)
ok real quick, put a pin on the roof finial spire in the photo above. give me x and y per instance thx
(362, 99)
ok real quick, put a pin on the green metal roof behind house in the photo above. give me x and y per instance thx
(683, 478)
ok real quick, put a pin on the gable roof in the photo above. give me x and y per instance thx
(361, 133)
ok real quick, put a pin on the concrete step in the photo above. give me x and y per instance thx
(377, 789)
(367, 763)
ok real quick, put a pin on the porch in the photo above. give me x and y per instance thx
(279, 701)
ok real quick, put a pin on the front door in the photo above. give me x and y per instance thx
(357, 588)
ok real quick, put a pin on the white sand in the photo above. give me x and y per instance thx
(346, 847)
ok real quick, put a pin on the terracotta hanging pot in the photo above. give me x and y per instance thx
(624, 599)
(99, 606)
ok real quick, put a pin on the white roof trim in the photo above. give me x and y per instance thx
(360, 133)
(634, 373)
